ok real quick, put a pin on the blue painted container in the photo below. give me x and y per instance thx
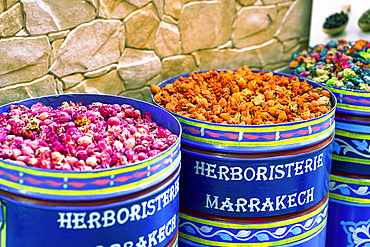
(349, 208)
(352, 130)
(254, 171)
(117, 207)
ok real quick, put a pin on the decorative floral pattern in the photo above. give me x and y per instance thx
(360, 148)
(358, 234)
(346, 189)
(250, 234)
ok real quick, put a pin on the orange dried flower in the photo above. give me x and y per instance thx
(243, 97)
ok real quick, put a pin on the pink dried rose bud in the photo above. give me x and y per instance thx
(84, 141)
(113, 121)
(92, 161)
(129, 143)
(43, 116)
(27, 150)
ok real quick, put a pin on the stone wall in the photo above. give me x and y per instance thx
(121, 47)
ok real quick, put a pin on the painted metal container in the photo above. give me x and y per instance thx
(351, 152)
(349, 208)
(349, 211)
(254, 171)
(118, 207)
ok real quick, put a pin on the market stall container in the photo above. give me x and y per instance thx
(237, 176)
(122, 206)
(349, 206)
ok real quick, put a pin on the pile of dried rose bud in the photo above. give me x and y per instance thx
(243, 97)
(80, 138)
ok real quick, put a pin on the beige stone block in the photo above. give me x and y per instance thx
(59, 86)
(55, 46)
(275, 66)
(88, 47)
(167, 40)
(101, 71)
(11, 21)
(169, 19)
(23, 59)
(136, 67)
(227, 58)
(205, 25)
(247, 2)
(258, 3)
(2, 5)
(268, 2)
(159, 5)
(138, 3)
(40, 87)
(118, 9)
(254, 25)
(72, 80)
(122, 39)
(106, 84)
(47, 16)
(11, 3)
(12, 94)
(141, 27)
(173, 7)
(270, 52)
(95, 3)
(21, 33)
(290, 44)
(176, 65)
(58, 35)
(297, 21)
(256, 39)
(284, 69)
(157, 79)
(282, 10)
(140, 94)
(238, 6)
(228, 44)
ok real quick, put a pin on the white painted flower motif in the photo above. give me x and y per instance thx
(359, 233)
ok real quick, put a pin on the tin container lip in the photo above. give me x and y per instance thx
(48, 184)
(275, 129)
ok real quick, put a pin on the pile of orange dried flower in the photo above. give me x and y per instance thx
(243, 97)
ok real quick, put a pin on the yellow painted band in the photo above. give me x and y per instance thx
(3, 230)
(85, 175)
(89, 192)
(253, 226)
(275, 243)
(352, 93)
(257, 144)
(347, 180)
(348, 198)
(349, 134)
(175, 244)
(352, 160)
(353, 107)
(221, 244)
(230, 128)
